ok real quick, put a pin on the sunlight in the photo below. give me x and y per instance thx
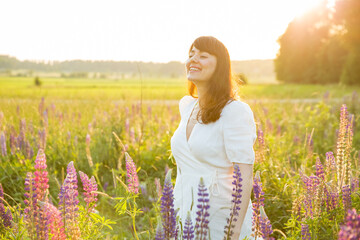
(303, 6)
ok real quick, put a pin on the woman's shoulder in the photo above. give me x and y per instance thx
(235, 107)
(185, 101)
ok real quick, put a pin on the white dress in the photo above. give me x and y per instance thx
(210, 153)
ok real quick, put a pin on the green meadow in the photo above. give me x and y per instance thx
(297, 124)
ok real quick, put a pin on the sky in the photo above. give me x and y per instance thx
(142, 30)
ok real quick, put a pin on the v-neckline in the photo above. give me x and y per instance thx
(187, 122)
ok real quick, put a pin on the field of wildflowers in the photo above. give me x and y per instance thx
(101, 169)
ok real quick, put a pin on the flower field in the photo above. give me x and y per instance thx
(92, 160)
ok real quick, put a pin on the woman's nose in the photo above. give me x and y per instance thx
(194, 58)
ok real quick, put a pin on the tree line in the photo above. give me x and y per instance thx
(322, 46)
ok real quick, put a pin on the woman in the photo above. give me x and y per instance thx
(216, 131)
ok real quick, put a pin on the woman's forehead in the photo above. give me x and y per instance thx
(194, 49)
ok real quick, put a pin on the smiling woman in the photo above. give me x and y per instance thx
(216, 132)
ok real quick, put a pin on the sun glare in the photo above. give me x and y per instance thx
(303, 6)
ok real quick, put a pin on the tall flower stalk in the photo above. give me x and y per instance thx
(236, 201)
(167, 208)
(5, 215)
(202, 219)
(54, 221)
(132, 178)
(258, 202)
(68, 204)
(188, 228)
(89, 186)
(30, 201)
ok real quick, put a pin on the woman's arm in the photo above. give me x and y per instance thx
(246, 171)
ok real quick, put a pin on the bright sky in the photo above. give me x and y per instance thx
(142, 30)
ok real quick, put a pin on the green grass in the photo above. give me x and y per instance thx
(159, 89)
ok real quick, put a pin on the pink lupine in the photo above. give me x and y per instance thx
(132, 178)
(55, 221)
(68, 204)
(41, 187)
(89, 186)
(41, 175)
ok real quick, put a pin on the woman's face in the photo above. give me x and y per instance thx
(200, 66)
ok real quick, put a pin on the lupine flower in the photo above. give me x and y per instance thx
(132, 178)
(305, 234)
(265, 224)
(319, 169)
(132, 135)
(30, 201)
(127, 126)
(68, 204)
(202, 219)
(346, 194)
(258, 202)
(41, 175)
(188, 228)
(342, 146)
(236, 201)
(89, 186)
(355, 184)
(55, 222)
(158, 187)
(351, 229)
(167, 208)
(5, 216)
(330, 163)
(3, 144)
(160, 235)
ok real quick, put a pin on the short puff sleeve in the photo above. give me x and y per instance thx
(183, 103)
(239, 131)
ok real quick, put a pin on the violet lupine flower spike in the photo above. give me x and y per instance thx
(160, 235)
(258, 202)
(167, 208)
(351, 229)
(236, 201)
(188, 228)
(346, 196)
(68, 204)
(5, 216)
(31, 205)
(265, 224)
(305, 233)
(132, 178)
(89, 186)
(202, 219)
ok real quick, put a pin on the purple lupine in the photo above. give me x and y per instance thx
(132, 135)
(258, 202)
(89, 186)
(5, 216)
(55, 222)
(160, 235)
(127, 126)
(355, 184)
(188, 228)
(3, 144)
(68, 204)
(305, 233)
(346, 196)
(30, 201)
(341, 146)
(202, 219)
(132, 177)
(168, 213)
(351, 229)
(319, 169)
(236, 201)
(265, 224)
(330, 162)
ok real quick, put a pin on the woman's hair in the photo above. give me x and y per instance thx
(219, 88)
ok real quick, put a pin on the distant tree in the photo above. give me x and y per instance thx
(347, 19)
(300, 47)
(37, 81)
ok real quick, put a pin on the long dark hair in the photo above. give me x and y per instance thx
(219, 88)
